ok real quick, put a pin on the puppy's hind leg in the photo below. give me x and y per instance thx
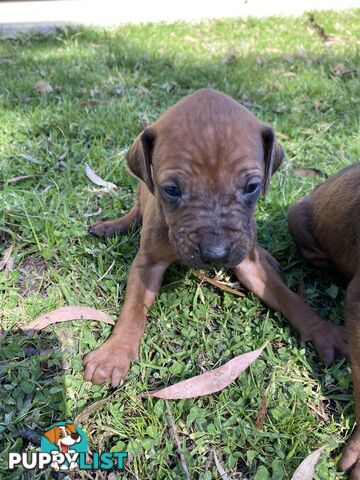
(350, 459)
(118, 225)
(300, 221)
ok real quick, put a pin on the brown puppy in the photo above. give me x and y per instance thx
(326, 228)
(202, 166)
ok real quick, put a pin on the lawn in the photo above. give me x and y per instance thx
(106, 85)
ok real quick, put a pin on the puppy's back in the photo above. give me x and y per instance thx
(337, 218)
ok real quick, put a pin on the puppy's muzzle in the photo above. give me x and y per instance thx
(214, 253)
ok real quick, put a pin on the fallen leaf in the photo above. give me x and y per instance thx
(97, 180)
(29, 158)
(308, 172)
(65, 314)
(262, 411)
(19, 178)
(43, 87)
(220, 468)
(217, 284)
(209, 382)
(6, 257)
(306, 469)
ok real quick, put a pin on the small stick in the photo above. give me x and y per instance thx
(177, 442)
(216, 283)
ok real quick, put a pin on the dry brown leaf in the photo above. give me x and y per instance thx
(43, 87)
(308, 172)
(209, 382)
(306, 469)
(65, 314)
(6, 257)
(98, 180)
(262, 410)
(217, 284)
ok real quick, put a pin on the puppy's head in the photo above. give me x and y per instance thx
(207, 160)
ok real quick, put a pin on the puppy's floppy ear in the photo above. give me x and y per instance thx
(139, 157)
(53, 434)
(273, 156)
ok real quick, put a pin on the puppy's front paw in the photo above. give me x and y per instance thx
(102, 229)
(350, 459)
(109, 362)
(330, 341)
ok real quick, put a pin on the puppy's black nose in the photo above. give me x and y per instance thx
(214, 254)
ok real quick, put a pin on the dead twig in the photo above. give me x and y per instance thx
(318, 29)
(177, 442)
(220, 468)
(217, 284)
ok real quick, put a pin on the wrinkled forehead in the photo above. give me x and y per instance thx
(210, 152)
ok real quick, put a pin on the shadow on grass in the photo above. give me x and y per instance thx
(32, 392)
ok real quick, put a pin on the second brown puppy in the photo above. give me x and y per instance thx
(202, 167)
(326, 228)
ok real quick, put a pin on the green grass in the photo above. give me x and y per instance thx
(137, 72)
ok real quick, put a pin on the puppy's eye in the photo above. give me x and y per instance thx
(172, 192)
(251, 188)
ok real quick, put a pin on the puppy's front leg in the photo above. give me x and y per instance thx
(259, 274)
(350, 459)
(111, 361)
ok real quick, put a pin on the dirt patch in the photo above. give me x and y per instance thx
(32, 271)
